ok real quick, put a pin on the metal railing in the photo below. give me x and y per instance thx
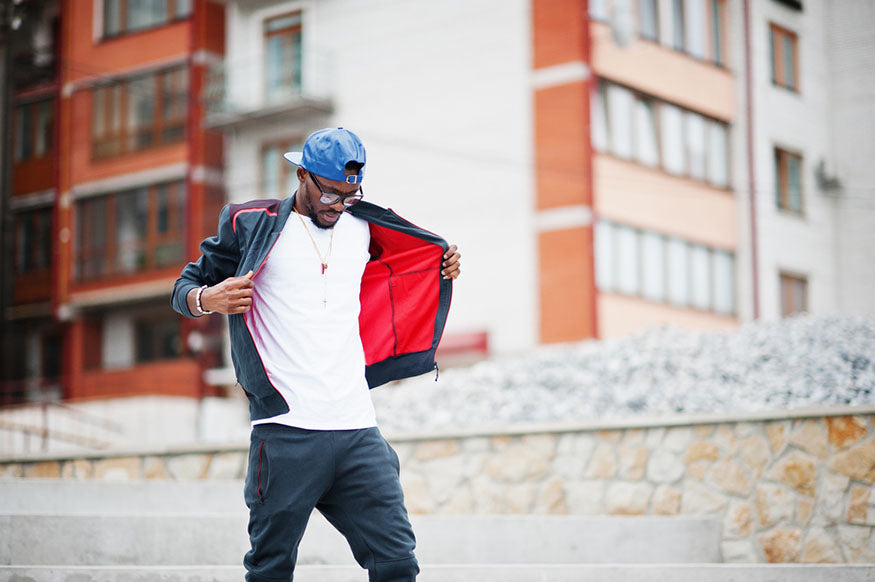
(239, 86)
(34, 408)
(29, 391)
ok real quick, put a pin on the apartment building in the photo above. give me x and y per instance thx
(32, 339)
(112, 175)
(651, 215)
(728, 145)
(604, 166)
(813, 185)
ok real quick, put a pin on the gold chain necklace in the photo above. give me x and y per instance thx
(323, 261)
(315, 246)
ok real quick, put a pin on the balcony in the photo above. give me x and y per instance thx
(246, 92)
(178, 377)
(664, 73)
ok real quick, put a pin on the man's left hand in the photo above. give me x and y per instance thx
(451, 268)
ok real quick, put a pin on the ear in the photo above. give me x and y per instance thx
(302, 174)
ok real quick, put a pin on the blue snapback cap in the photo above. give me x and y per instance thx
(326, 153)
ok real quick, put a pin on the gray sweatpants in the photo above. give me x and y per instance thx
(350, 476)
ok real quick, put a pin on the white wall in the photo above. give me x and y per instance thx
(739, 164)
(851, 50)
(798, 122)
(136, 422)
(833, 118)
(440, 94)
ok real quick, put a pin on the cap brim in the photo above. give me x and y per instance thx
(294, 157)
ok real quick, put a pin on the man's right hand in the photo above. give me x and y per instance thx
(233, 295)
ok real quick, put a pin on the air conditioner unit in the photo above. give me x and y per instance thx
(827, 180)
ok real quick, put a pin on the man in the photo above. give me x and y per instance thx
(326, 296)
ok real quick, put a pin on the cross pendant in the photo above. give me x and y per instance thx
(324, 266)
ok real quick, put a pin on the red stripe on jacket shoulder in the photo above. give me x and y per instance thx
(246, 209)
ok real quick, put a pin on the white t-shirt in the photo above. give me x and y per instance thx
(306, 328)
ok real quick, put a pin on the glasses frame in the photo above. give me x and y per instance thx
(332, 198)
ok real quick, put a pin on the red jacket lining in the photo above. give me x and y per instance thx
(389, 277)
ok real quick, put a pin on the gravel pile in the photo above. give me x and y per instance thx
(793, 363)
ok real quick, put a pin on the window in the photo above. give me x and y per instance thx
(598, 117)
(653, 266)
(34, 127)
(645, 144)
(129, 232)
(724, 274)
(718, 32)
(139, 113)
(598, 9)
(278, 177)
(784, 57)
(673, 149)
(677, 19)
(628, 278)
(678, 272)
(142, 98)
(45, 117)
(52, 354)
(649, 19)
(33, 240)
(158, 337)
(696, 145)
(637, 127)
(23, 133)
(169, 224)
(122, 16)
(31, 362)
(282, 53)
(663, 269)
(620, 120)
(605, 255)
(788, 177)
(173, 94)
(718, 155)
(694, 28)
(131, 220)
(794, 294)
(700, 264)
(91, 229)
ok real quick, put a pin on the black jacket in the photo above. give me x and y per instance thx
(404, 298)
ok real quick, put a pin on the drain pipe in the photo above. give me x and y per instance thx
(751, 174)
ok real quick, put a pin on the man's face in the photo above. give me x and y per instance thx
(308, 198)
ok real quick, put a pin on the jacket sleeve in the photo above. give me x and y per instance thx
(220, 256)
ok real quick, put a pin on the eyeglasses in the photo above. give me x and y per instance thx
(331, 198)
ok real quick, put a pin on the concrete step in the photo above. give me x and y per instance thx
(216, 539)
(64, 496)
(465, 573)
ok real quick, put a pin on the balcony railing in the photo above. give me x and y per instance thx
(30, 390)
(33, 415)
(240, 91)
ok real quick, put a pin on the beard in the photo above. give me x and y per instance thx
(314, 217)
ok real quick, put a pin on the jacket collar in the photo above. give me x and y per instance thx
(284, 212)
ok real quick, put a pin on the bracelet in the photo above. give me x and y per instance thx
(197, 301)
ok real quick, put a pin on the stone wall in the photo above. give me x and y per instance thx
(787, 489)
